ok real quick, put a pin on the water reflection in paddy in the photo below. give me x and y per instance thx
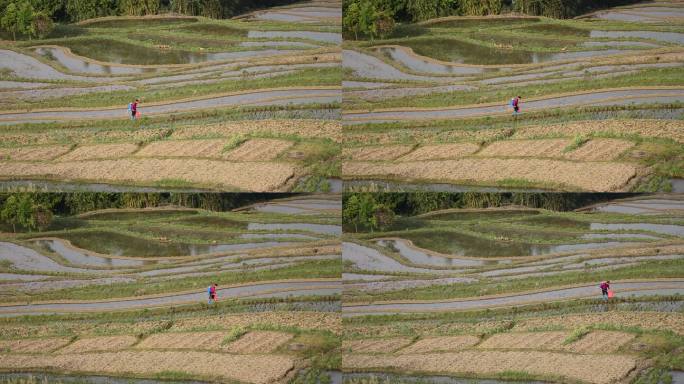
(418, 257)
(82, 258)
(125, 53)
(116, 244)
(459, 244)
(465, 53)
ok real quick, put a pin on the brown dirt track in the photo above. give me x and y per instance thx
(250, 369)
(100, 151)
(593, 369)
(257, 177)
(600, 177)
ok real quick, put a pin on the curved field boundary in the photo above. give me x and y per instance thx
(67, 51)
(126, 18)
(250, 290)
(668, 286)
(261, 97)
(409, 52)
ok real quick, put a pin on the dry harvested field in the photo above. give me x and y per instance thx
(303, 128)
(277, 270)
(184, 148)
(526, 148)
(376, 345)
(599, 177)
(271, 84)
(272, 176)
(258, 150)
(100, 151)
(250, 369)
(644, 320)
(440, 344)
(665, 129)
(586, 368)
(258, 342)
(593, 90)
(593, 342)
(600, 150)
(41, 153)
(376, 153)
(441, 151)
(182, 340)
(513, 289)
(100, 343)
(33, 345)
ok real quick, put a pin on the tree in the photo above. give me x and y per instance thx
(352, 16)
(42, 24)
(368, 16)
(87, 9)
(9, 20)
(350, 212)
(24, 211)
(138, 7)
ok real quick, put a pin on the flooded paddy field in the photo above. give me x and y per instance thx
(466, 294)
(131, 284)
(448, 82)
(271, 89)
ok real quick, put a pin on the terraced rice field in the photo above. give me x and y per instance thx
(259, 95)
(122, 292)
(601, 95)
(504, 292)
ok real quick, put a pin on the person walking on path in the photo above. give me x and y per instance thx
(133, 107)
(515, 103)
(605, 286)
(211, 291)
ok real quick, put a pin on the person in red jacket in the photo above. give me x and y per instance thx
(134, 108)
(605, 286)
(516, 105)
